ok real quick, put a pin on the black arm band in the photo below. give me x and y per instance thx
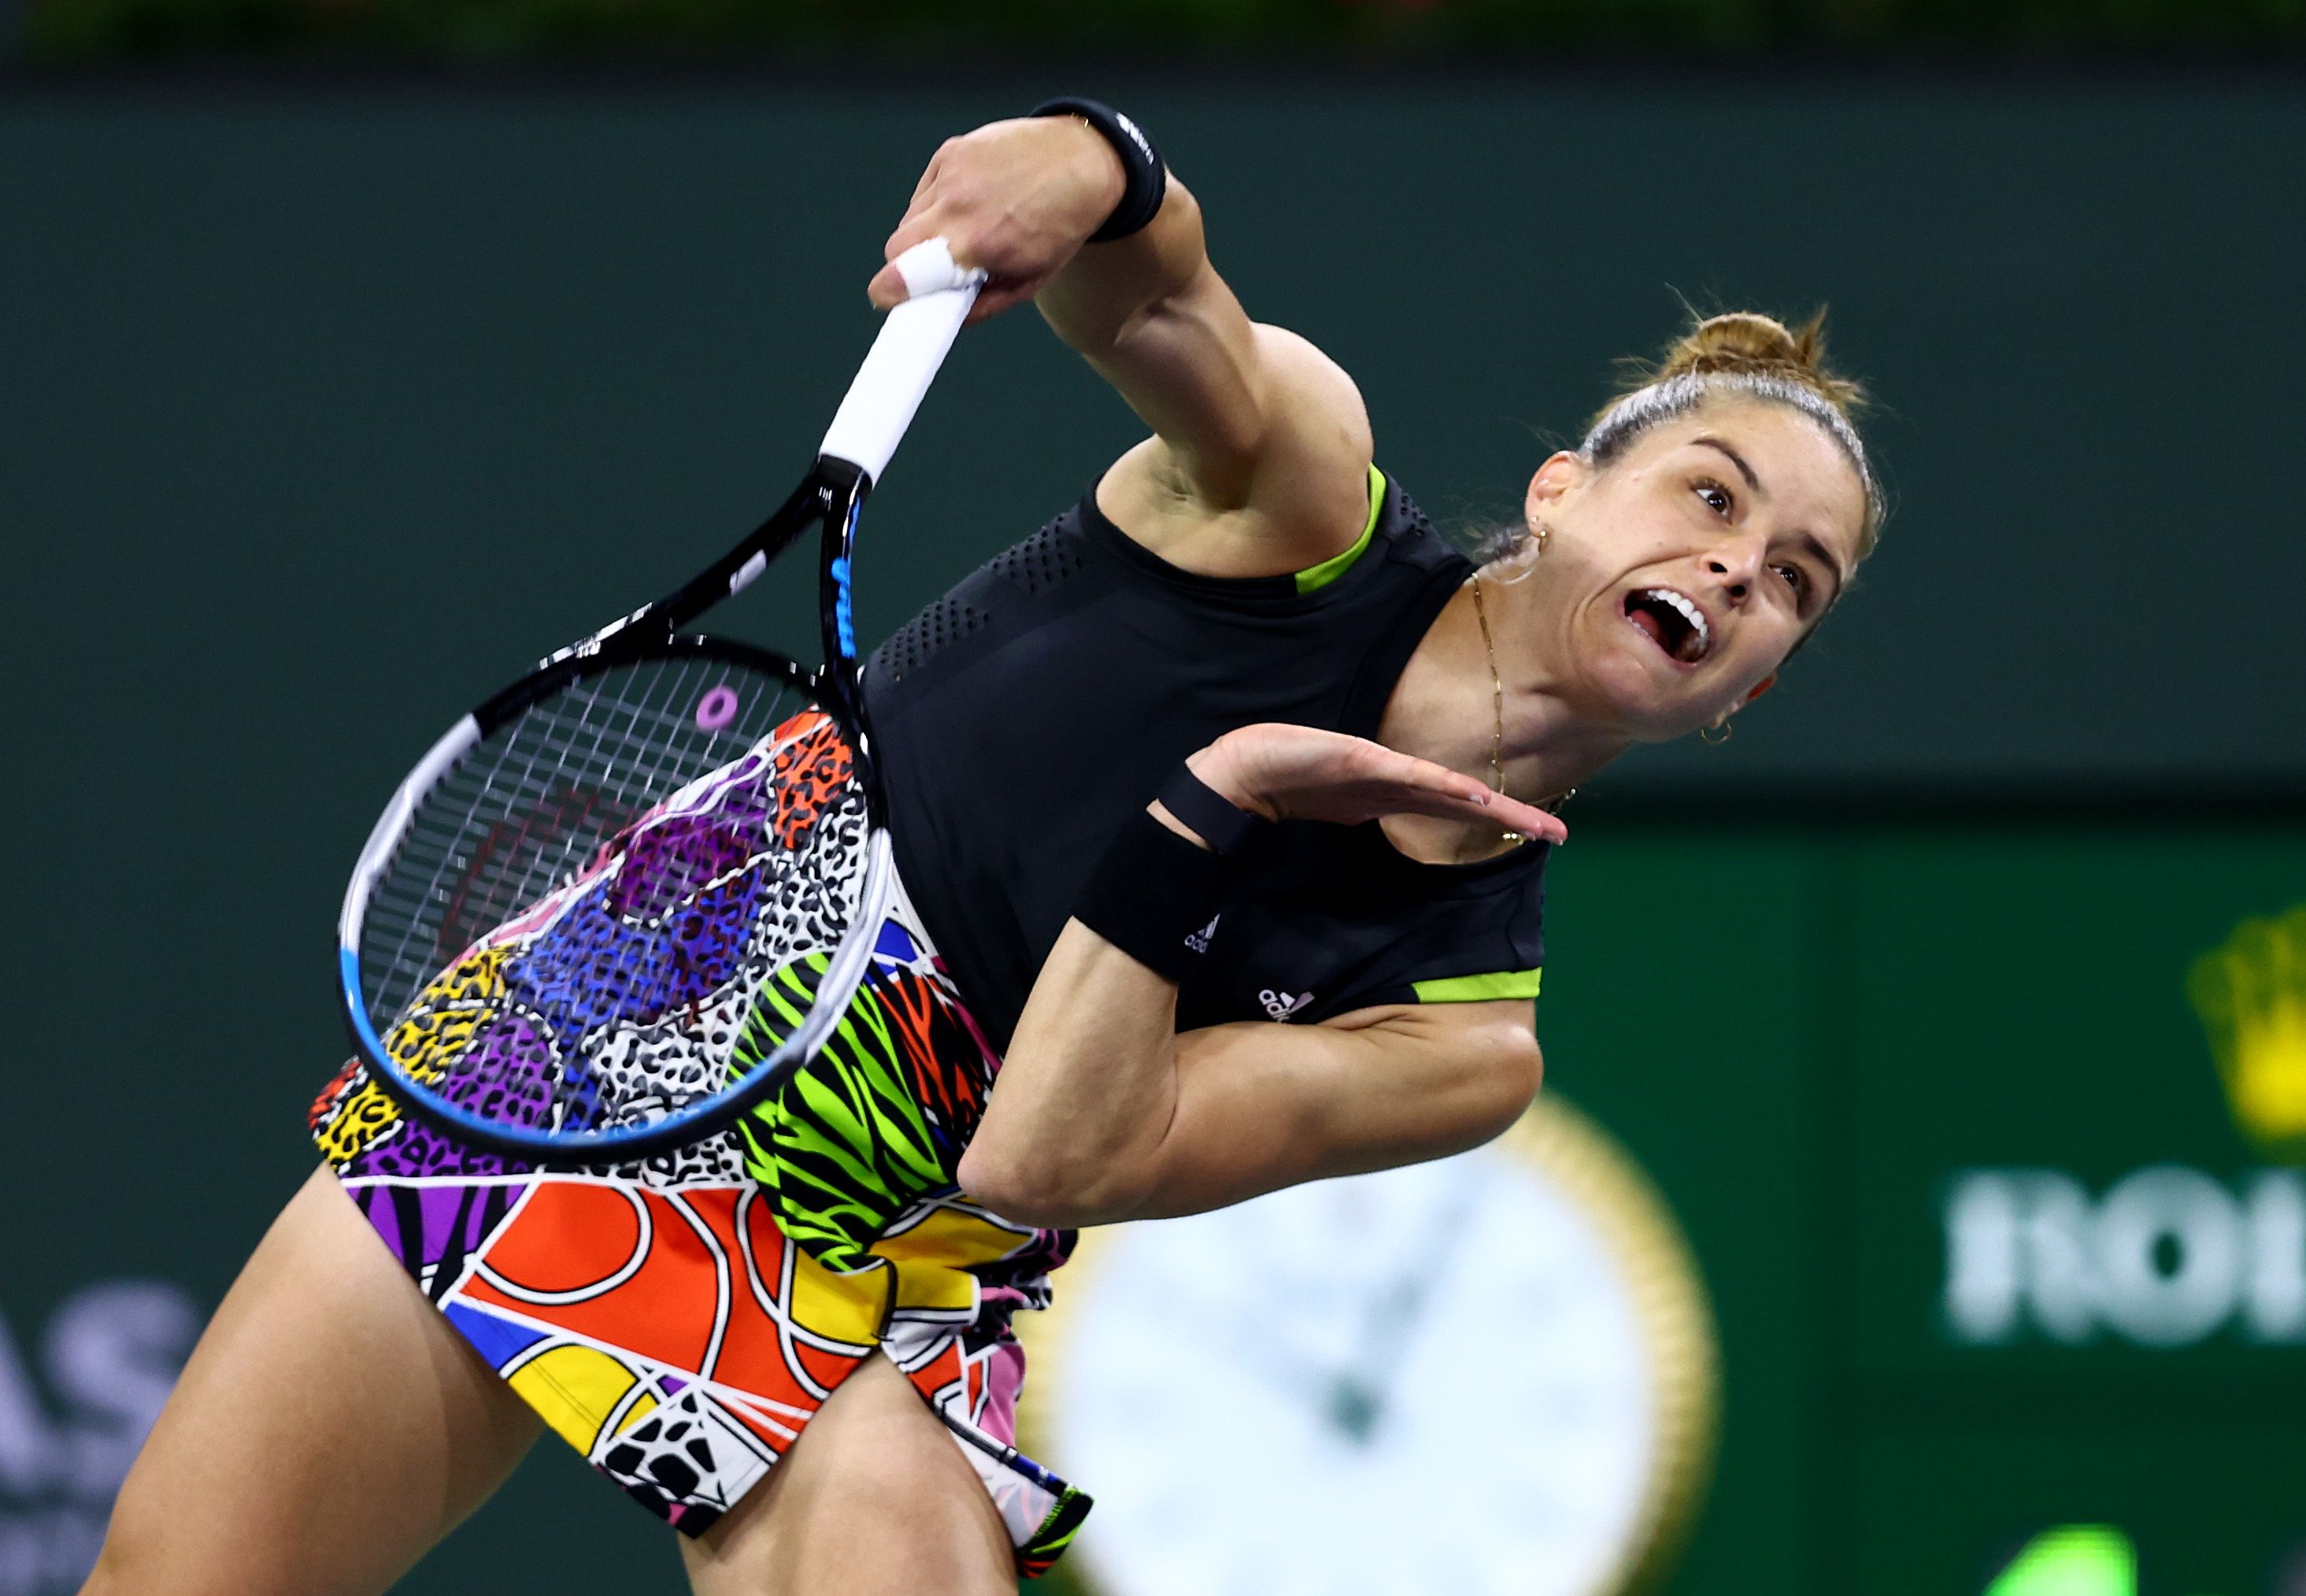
(1234, 832)
(1154, 895)
(1146, 182)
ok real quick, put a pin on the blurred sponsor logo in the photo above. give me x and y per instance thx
(106, 1361)
(2166, 1256)
(2250, 994)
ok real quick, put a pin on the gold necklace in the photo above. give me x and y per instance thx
(1497, 711)
(1497, 702)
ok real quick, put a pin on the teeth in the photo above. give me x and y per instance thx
(1689, 612)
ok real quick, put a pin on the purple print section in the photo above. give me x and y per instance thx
(665, 931)
(441, 1221)
(593, 968)
(666, 861)
(511, 1083)
(416, 1149)
(507, 1076)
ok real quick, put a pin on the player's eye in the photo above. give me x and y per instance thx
(1716, 496)
(1795, 578)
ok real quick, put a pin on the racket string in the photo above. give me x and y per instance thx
(512, 1089)
(530, 809)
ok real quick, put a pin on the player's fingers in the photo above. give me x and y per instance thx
(1536, 822)
(929, 172)
(1510, 815)
(999, 296)
(1420, 776)
(921, 223)
(1436, 789)
(922, 219)
(887, 288)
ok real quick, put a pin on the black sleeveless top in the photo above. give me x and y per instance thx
(1020, 718)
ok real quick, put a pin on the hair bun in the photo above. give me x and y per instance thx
(1748, 343)
(1740, 353)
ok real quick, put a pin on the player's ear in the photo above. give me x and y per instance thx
(1562, 472)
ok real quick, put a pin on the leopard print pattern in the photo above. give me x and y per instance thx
(625, 994)
(813, 775)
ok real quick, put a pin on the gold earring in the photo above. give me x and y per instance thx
(1726, 726)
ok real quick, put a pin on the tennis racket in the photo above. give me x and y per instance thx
(606, 799)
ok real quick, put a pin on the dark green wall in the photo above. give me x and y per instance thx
(394, 356)
(323, 409)
(1811, 1035)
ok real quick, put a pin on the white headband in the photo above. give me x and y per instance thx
(1646, 407)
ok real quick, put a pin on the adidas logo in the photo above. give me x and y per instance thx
(1281, 1005)
(1199, 941)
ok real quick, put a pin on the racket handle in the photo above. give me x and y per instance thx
(904, 359)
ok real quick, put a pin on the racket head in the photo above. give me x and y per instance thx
(559, 797)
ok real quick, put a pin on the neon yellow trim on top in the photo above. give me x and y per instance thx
(1320, 576)
(1474, 989)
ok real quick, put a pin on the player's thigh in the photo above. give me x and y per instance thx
(328, 1429)
(874, 1500)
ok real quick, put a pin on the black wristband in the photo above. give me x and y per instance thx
(1232, 831)
(1155, 896)
(1145, 181)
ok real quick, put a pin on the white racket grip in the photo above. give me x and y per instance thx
(904, 359)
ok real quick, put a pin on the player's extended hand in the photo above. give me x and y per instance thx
(1296, 772)
(1018, 198)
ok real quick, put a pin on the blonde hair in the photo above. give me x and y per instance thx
(1746, 355)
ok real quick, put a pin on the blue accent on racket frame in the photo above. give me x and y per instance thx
(844, 622)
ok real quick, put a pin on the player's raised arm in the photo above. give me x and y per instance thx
(1259, 460)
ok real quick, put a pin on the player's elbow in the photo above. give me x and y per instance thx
(1512, 1073)
(1049, 1194)
(1527, 1068)
(1005, 1184)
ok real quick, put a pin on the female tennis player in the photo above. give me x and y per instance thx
(1221, 806)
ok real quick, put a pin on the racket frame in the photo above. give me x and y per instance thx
(830, 498)
(879, 406)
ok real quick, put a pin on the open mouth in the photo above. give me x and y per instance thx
(1676, 624)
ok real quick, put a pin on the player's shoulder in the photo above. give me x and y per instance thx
(1314, 461)
(1311, 386)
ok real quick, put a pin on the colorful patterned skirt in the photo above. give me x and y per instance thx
(679, 1320)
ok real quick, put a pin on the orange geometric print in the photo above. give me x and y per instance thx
(567, 1257)
(662, 1309)
(569, 1236)
(940, 1372)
